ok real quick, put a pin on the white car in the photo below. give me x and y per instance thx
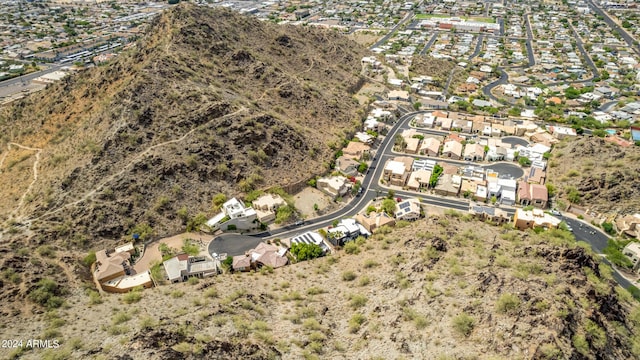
(555, 212)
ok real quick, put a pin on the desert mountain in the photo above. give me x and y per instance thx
(207, 101)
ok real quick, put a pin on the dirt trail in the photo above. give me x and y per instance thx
(35, 175)
(125, 168)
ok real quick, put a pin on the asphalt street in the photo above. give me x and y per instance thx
(514, 140)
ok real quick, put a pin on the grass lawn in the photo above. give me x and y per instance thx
(440, 16)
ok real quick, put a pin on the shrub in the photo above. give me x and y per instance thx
(190, 248)
(132, 296)
(355, 322)
(89, 259)
(348, 276)
(47, 293)
(581, 344)
(463, 324)
(357, 301)
(304, 252)
(370, 263)
(508, 303)
(595, 334)
(351, 248)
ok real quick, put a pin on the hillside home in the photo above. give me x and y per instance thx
(375, 220)
(114, 273)
(629, 225)
(503, 189)
(182, 267)
(408, 209)
(334, 186)
(473, 152)
(356, 150)
(419, 180)
(536, 176)
(364, 138)
(532, 194)
(234, 216)
(561, 132)
(399, 95)
(266, 207)
(632, 251)
(347, 166)
(489, 213)
(452, 149)
(346, 230)
(529, 219)
(430, 147)
(263, 255)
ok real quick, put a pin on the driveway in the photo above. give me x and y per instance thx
(506, 169)
(232, 244)
(514, 140)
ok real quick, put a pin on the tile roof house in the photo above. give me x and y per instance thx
(266, 206)
(375, 220)
(412, 145)
(489, 213)
(529, 219)
(430, 147)
(632, 251)
(333, 186)
(268, 255)
(408, 209)
(452, 149)
(536, 176)
(182, 267)
(356, 150)
(532, 194)
(114, 273)
(448, 185)
(629, 225)
(396, 171)
(419, 179)
(347, 166)
(473, 152)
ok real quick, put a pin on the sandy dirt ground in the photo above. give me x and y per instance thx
(152, 253)
(305, 199)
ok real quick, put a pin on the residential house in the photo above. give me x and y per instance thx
(632, 251)
(399, 95)
(503, 189)
(529, 219)
(536, 176)
(268, 255)
(489, 213)
(561, 132)
(234, 216)
(311, 237)
(496, 153)
(396, 171)
(419, 180)
(347, 166)
(481, 103)
(241, 263)
(375, 220)
(448, 185)
(474, 152)
(629, 225)
(334, 186)
(430, 147)
(356, 150)
(532, 194)
(412, 145)
(266, 207)
(408, 209)
(423, 164)
(452, 149)
(346, 230)
(182, 267)
(114, 273)
(364, 138)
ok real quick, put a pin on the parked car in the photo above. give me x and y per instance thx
(555, 212)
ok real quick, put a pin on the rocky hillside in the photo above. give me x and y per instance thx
(445, 287)
(208, 101)
(596, 174)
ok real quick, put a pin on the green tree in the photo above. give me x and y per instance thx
(389, 206)
(362, 167)
(417, 105)
(304, 252)
(435, 175)
(284, 213)
(524, 161)
(573, 195)
(47, 293)
(218, 200)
